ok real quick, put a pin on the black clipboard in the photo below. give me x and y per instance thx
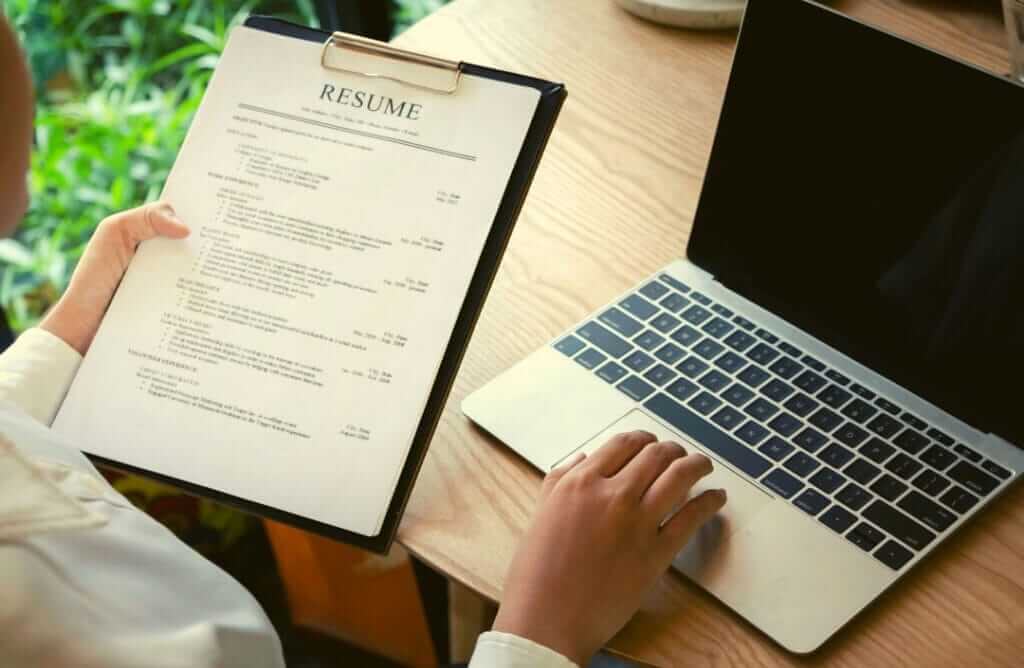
(550, 103)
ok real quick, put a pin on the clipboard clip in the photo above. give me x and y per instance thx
(439, 75)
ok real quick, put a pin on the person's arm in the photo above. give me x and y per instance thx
(37, 370)
(605, 529)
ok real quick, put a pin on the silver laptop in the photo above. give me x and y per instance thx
(844, 337)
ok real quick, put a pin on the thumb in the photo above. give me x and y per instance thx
(676, 533)
(163, 221)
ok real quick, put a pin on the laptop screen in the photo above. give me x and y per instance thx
(872, 193)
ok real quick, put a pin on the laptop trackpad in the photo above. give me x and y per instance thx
(745, 500)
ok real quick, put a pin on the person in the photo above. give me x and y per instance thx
(89, 581)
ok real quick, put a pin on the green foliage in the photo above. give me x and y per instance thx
(117, 84)
(408, 12)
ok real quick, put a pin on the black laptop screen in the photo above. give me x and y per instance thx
(872, 192)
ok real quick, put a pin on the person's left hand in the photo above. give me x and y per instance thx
(77, 315)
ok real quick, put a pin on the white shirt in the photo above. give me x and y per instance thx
(89, 581)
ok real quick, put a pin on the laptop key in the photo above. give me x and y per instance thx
(877, 450)
(708, 348)
(973, 478)
(938, 457)
(700, 298)
(827, 480)
(744, 323)
(722, 311)
(708, 435)
(790, 349)
(884, 425)
(862, 391)
(649, 340)
(959, 499)
(611, 372)
(740, 341)
(696, 315)
(926, 511)
(665, 323)
(654, 291)
(853, 496)
(910, 441)
(704, 403)
(635, 388)
(811, 502)
(837, 377)
(686, 335)
(775, 448)
(605, 339)
(809, 382)
(838, 519)
(717, 328)
(782, 483)
(834, 396)
(862, 471)
(785, 424)
(681, 389)
(761, 410)
(752, 433)
(888, 488)
(674, 302)
(620, 322)
(786, 368)
(893, 555)
(931, 483)
(638, 360)
(569, 346)
(850, 434)
(865, 536)
(810, 439)
(590, 358)
(813, 363)
(766, 335)
(727, 418)
(859, 411)
(995, 469)
(966, 452)
(825, 419)
(730, 362)
(777, 390)
(714, 380)
(887, 406)
(638, 307)
(675, 283)
(670, 353)
(693, 366)
(941, 437)
(753, 375)
(898, 525)
(801, 464)
(762, 353)
(902, 466)
(836, 455)
(738, 394)
(801, 404)
(914, 421)
(660, 374)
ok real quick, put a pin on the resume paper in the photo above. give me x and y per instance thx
(284, 352)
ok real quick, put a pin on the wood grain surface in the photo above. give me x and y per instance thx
(612, 201)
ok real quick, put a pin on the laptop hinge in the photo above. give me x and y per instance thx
(705, 274)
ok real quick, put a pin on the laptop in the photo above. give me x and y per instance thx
(844, 336)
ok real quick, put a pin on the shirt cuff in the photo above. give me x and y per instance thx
(36, 372)
(504, 650)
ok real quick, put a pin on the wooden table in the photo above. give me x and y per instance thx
(612, 201)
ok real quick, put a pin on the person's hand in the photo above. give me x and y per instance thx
(77, 315)
(600, 539)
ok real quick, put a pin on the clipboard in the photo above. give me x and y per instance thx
(369, 58)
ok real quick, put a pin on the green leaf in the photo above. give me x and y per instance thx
(12, 252)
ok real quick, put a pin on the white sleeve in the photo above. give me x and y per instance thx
(504, 650)
(36, 372)
(88, 580)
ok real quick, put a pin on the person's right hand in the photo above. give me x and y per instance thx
(599, 540)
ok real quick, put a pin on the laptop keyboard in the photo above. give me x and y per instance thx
(864, 467)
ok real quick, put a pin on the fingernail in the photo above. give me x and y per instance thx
(168, 212)
(725, 494)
